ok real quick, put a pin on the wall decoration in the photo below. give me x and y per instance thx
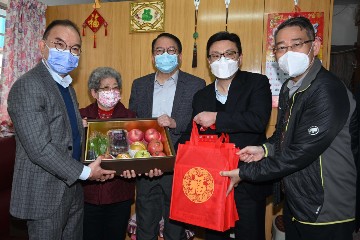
(227, 3)
(276, 76)
(195, 35)
(94, 21)
(147, 16)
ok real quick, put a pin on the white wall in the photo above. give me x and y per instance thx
(344, 31)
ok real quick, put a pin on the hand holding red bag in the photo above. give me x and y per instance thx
(199, 192)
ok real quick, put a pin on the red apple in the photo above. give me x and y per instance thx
(135, 135)
(151, 134)
(158, 154)
(155, 146)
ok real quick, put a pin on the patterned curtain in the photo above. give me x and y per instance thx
(25, 25)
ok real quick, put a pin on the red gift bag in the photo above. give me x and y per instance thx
(199, 192)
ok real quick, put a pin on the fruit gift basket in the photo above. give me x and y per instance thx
(129, 144)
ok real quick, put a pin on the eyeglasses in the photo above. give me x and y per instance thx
(217, 56)
(107, 89)
(62, 46)
(160, 50)
(295, 47)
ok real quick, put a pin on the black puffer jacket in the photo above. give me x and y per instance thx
(316, 155)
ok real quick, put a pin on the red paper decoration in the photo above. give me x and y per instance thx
(94, 22)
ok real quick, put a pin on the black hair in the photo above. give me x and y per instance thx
(301, 22)
(64, 22)
(168, 35)
(233, 37)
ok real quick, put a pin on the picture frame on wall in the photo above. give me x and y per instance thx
(147, 16)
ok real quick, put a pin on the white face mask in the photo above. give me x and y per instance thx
(294, 63)
(224, 68)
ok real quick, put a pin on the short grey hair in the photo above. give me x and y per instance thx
(101, 73)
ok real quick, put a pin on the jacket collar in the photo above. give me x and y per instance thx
(236, 87)
(119, 111)
(311, 75)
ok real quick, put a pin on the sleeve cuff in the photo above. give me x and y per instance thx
(240, 175)
(266, 153)
(85, 173)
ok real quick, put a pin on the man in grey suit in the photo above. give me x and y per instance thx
(166, 95)
(48, 127)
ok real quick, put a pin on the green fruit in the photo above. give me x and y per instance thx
(142, 154)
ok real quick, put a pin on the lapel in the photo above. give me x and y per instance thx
(236, 90)
(53, 88)
(179, 92)
(78, 116)
(210, 98)
(148, 95)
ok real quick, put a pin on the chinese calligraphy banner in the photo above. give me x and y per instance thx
(94, 21)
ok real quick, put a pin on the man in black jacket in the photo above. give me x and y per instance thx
(315, 144)
(238, 103)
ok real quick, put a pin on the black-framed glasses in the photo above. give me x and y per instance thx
(216, 56)
(106, 89)
(170, 51)
(295, 47)
(62, 46)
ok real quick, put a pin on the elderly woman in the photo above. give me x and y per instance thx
(107, 204)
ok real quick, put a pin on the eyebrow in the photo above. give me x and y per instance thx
(292, 40)
(227, 50)
(165, 48)
(59, 39)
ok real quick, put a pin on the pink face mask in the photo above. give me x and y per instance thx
(109, 99)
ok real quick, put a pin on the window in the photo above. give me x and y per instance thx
(2, 35)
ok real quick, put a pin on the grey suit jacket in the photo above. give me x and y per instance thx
(44, 166)
(141, 100)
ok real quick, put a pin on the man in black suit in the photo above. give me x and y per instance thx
(167, 96)
(237, 103)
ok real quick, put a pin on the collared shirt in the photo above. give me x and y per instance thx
(163, 97)
(294, 86)
(220, 97)
(63, 81)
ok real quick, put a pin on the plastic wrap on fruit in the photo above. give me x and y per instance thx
(117, 141)
(98, 144)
